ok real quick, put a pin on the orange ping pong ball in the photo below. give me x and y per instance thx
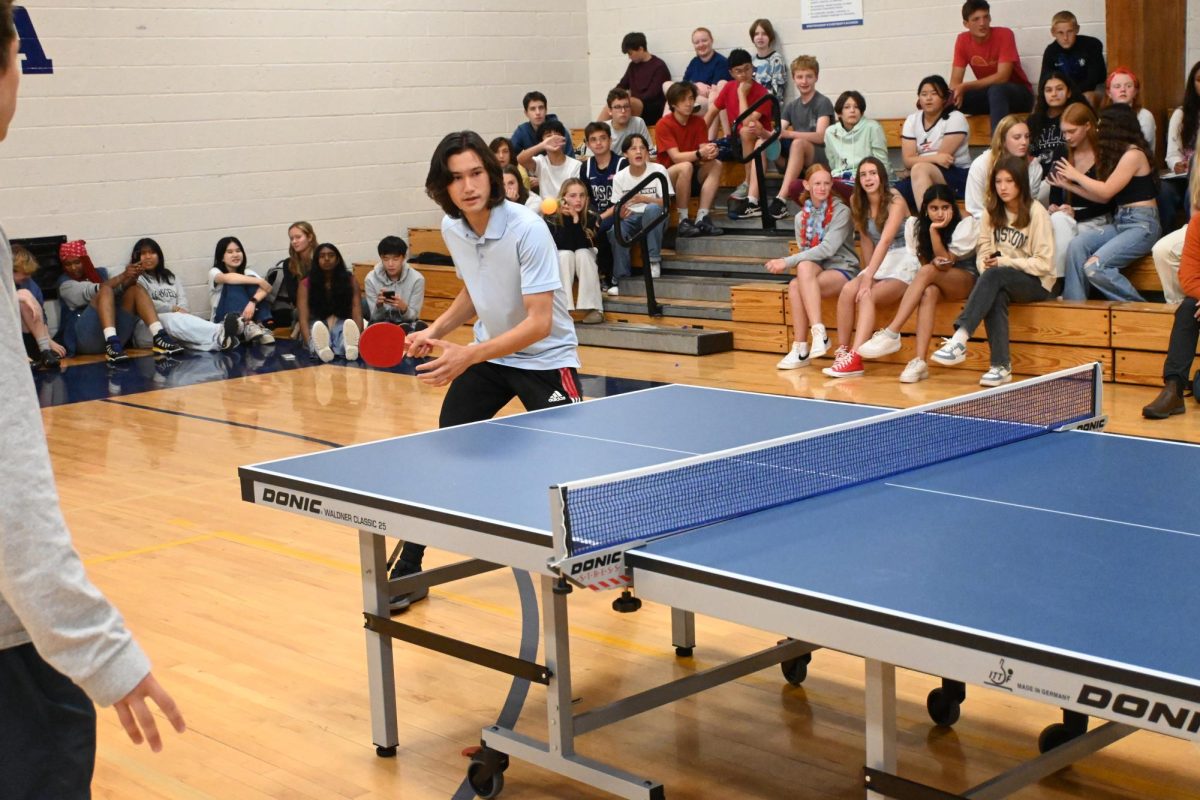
(549, 205)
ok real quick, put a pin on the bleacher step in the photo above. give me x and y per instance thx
(733, 245)
(655, 338)
(684, 287)
(694, 309)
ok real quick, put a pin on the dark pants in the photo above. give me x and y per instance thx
(1181, 351)
(47, 731)
(1173, 198)
(988, 303)
(997, 101)
(484, 389)
(234, 297)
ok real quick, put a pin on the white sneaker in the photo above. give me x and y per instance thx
(916, 370)
(350, 339)
(950, 353)
(996, 376)
(741, 192)
(320, 342)
(819, 347)
(655, 269)
(883, 343)
(794, 359)
(613, 291)
(257, 333)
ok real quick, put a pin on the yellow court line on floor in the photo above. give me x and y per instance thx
(154, 548)
(287, 550)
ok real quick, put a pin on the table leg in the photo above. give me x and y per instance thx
(381, 675)
(683, 632)
(881, 719)
(560, 721)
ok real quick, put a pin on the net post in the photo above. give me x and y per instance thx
(560, 527)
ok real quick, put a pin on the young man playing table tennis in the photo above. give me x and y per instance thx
(525, 343)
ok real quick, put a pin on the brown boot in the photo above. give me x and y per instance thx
(1168, 402)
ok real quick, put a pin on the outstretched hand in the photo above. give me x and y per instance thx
(135, 715)
(453, 361)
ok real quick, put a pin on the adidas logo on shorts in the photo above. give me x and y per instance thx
(557, 397)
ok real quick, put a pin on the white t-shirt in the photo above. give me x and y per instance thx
(214, 288)
(551, 178)
(930, 141)
(624, 181)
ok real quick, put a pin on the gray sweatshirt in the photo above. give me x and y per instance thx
(45, 596)
(836, 250)
(410, 287)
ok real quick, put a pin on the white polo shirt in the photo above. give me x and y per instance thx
(515, 256)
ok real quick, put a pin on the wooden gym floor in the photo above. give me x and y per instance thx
(252, 619)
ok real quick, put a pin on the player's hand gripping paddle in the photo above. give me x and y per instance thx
(382, 344)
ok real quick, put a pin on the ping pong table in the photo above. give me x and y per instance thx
(990, 540)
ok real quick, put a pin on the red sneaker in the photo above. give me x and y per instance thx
(847, 364)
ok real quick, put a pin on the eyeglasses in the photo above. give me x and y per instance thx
(621, 107)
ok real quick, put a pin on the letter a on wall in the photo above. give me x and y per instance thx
(35, 62)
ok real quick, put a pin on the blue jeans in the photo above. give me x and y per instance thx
(997, 101)
(1133, 232)
(234, 297)
(629, 228)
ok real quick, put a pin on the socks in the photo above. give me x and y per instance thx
(155, 327)
(110, 333)
(889, 333)
(960, 337)
(43, 343)
(752, 199)
(701, 214)
(818, 333)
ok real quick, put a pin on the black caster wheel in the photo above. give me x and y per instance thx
(485, 773)
(1055, 735)
(683, 652)
(626, 603)
(385, 752)
(795, 670)
(944, 708)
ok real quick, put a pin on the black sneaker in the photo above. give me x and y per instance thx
(231, 329)
(165, 345)
(737, 207)
(401, 602)
(707, 228)
(778, 208)
(751, 210)
(114, 352)
(47, 359)
(688, 229)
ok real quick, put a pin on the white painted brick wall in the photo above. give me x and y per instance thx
(187, 124)
(1193, 32)
(900, 41)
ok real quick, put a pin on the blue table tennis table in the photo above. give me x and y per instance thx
(992, 540)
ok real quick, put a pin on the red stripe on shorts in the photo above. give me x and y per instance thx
(568, 382)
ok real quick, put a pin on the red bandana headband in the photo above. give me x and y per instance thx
(75, 249)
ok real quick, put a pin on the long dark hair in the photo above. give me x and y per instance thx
(160, 273)
(522, 192)
(337, 298)
(1040, 116)
(942, 88)
(219, 254)
(1191, 110)
(996, 211)
(938, 191)
(1119, 130)
(860, 203)
(439, 178)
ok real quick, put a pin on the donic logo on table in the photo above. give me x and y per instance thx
(1000, 677)
(291, 500)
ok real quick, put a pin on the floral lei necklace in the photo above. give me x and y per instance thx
(813, 225)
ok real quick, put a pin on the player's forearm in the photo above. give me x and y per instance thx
(529, 331)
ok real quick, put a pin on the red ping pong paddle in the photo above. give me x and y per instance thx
(382, 344)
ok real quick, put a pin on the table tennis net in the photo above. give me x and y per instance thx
(637, 505)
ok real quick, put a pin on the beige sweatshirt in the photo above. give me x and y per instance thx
(1029, 249)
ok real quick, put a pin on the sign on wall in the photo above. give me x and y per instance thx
(830, 13)
(35, 61)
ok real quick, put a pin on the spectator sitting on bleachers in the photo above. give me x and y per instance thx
(1080, 58)
(848, 141)
(1181, 144)
(44, 352)
(598, 172)
(576, 232)
(1126, 176)
(1168, 251)
(947, 257)
(825, 262)
(769, 69)
(640, 210)
(707, 71)
(233, 288)
(171, 305)
(330, 307)
(804, 120)
(536, 112)
(394, 290)
(515, 190)
(644, 79)
(1124, 88)
(1181, 350)
(934, 143)
(1046, 142)
(286, 275)
(737, 96)
(547, 160)
(1000, 87)
(1072, 214)
(879, 217)
(98, 316)
(688, 155)
(1011, 137)
(621, 120)
(503, 148)
(1016, 265)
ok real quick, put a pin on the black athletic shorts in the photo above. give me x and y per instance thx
(485, 388)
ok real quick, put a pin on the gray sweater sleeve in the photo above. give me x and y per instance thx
(837, 233)
(415, 294)
(45, 596)
(77, 294)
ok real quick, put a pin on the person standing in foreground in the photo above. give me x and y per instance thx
(525, 343)
(62, 645)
